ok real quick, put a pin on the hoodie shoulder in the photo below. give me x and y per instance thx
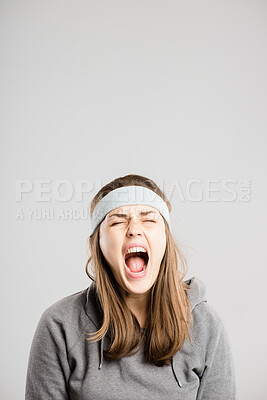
(210, 341)
(207, 325)
(69, 305)
(66, 318)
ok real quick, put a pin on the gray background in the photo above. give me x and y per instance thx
(93, 90)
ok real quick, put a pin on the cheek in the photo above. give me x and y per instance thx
(160, 246)
(109, 248)
(105, 244)
(162, 250)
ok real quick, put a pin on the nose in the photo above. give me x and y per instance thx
(134, 228)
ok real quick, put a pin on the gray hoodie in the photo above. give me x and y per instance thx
(64, 365)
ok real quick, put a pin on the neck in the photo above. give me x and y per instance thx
(138, 305)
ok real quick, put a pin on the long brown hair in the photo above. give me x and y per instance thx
(168, 310)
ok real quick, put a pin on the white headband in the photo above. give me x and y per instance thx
(127, 196)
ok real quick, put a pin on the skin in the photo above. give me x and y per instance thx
(116, 233)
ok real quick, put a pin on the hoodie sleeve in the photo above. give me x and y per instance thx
(48, 367)
(218, 377)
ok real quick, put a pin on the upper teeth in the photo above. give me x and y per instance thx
(135, 250)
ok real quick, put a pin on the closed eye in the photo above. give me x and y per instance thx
(146, 220)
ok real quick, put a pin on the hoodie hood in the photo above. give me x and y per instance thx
(196, 295)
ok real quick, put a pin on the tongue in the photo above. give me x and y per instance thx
(135, 263)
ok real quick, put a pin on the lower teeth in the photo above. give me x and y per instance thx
(136, 273)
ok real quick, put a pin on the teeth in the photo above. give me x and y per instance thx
(136, 250)
(136, 273)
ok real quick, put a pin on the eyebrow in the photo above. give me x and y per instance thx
(120, 215)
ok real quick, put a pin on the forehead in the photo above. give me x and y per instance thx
(133, 210)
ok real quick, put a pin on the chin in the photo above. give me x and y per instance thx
(138, 287)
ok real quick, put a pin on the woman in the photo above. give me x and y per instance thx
(139, 331)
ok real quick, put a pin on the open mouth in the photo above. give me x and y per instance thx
(136, 261)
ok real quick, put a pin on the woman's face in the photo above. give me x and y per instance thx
(132, 227)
